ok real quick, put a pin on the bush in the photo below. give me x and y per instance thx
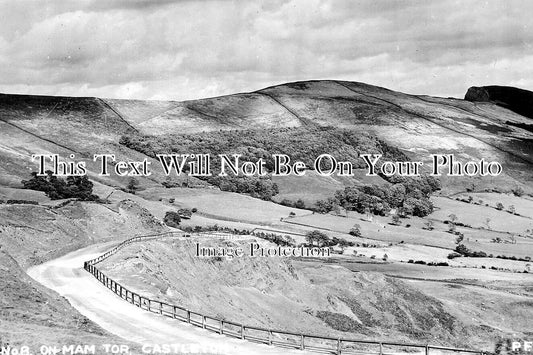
(454, 255)
(172, 219)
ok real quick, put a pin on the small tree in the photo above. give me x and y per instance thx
(487, 223)
(453, 218)
(133, 185)
(396, 220)
(172, 219)
(511, 209)
(317, 237)
(299, 204)
(452, 228)
(518, 191)
(356, 231)
(428, 225)
(499, 206)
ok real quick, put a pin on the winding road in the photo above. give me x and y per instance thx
(66, 276)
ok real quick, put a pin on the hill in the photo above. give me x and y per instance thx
(302, 119)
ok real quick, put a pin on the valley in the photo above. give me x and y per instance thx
(455, 269)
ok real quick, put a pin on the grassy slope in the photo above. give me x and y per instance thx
(418, 125)
(325, 299)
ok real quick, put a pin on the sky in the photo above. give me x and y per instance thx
(180, 50)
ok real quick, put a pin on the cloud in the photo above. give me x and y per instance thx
(190, 49)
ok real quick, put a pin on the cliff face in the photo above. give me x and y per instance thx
(514, 99)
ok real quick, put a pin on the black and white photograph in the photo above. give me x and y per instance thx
(266, 177)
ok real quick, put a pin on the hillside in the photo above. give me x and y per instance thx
(33, 234)
(417, 125)
(319, 298)
(302, 119)
(514, 99)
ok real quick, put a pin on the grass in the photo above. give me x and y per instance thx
(476, 215)
(212, 203)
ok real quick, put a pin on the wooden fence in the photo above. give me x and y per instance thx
(280, 338)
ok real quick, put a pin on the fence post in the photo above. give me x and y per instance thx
(160, 307)
(174, 312)
(150, 305)
(302, 345)
(380, 348)
(427, 349)
(203, 322)
(188, 316)
(242, 331)
(339, 346)
(221, 326)
(269, 337)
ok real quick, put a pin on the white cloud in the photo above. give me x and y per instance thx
(191, 49)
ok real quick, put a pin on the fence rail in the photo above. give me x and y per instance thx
(280, 338)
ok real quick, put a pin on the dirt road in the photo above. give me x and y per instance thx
(66, 276)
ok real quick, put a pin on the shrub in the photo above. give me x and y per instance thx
(454, 255)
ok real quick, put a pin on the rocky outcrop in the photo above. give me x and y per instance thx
(514, 99)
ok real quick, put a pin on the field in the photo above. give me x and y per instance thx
(312, 186)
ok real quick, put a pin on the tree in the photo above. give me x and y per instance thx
(396, 220)
(518, 191)
(343, 244)
(499, 206)
(57, 188)
(133, 185)
(172, 219)
(428, 225)
(451, 228)
(299, 204)
(356, 231)
(317, 237)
